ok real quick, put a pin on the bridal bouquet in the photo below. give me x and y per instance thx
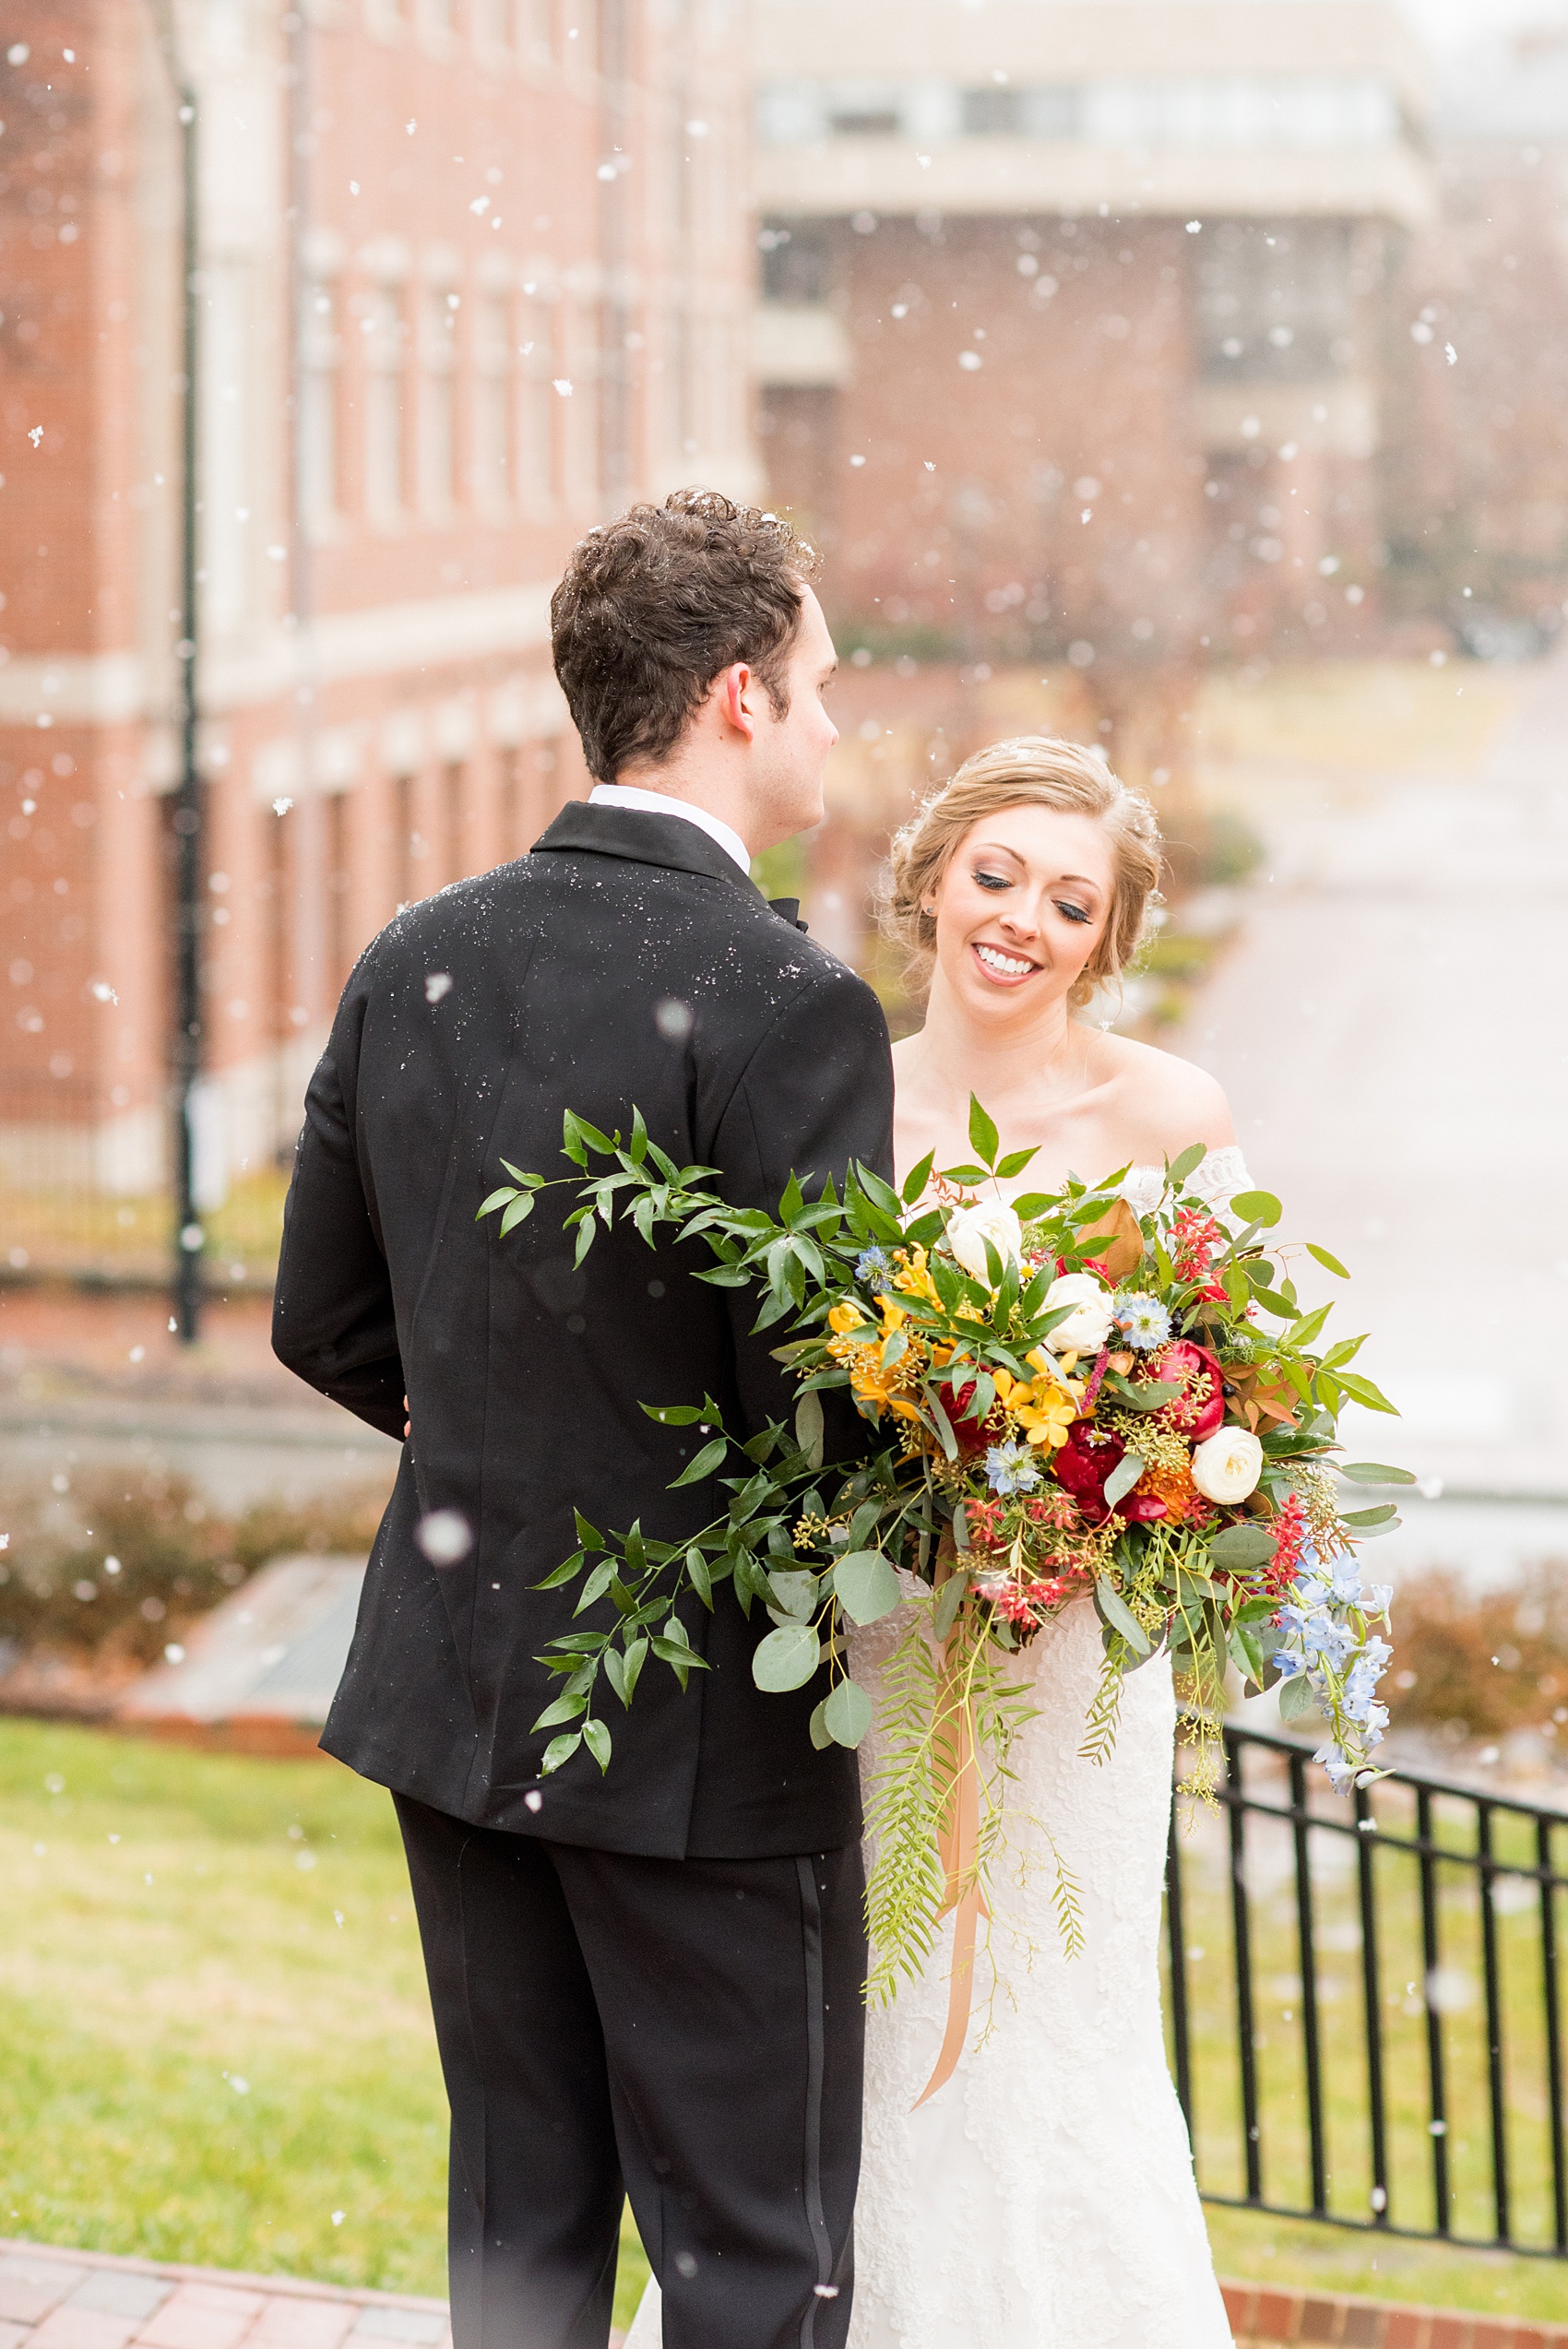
(1060, 1399)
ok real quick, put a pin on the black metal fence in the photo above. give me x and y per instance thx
(1365, 2000)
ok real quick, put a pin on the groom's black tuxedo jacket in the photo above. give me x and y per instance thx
(626, 960)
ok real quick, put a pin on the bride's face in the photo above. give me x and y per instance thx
(1020, 909)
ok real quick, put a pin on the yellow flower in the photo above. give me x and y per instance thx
(892, 1316)
(1044, 1409)
(1049, 1419)
(914, 1279)
(1048, 1365)
(842, 1317)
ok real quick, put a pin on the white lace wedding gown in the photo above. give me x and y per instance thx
(1044, 2198)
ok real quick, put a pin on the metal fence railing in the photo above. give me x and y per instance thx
(1365, 2000)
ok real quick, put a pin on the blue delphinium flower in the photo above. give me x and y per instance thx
(875, 1267)
(1143, 1321)
(1011, 1467)
(1341, 1772)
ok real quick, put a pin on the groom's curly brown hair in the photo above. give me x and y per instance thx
(655, 605)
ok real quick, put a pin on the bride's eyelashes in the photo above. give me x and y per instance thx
(995, 880)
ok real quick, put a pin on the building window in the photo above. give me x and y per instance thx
(411, 850)
(454, 788)
(492, 403)
(320, 352)
(508, 815)
(1042, 112)
(339, 952)
(539, 406)
(386, 337)
(796, 262)
(1276, 302)
(863, 109)
(438, 363)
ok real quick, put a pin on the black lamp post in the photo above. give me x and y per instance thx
(186, 1042)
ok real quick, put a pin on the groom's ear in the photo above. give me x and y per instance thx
(739, 687)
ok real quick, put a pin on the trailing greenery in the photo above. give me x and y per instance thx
(995, 1487)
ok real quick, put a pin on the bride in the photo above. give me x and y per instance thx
(1044, 2197)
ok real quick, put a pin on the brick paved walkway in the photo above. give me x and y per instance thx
(51, 2299)
(54, 2299)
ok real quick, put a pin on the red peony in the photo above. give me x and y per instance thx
(1199, 1411)
(957, 1402)
(1083, 1464)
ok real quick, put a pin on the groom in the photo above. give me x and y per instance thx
(648, 1981)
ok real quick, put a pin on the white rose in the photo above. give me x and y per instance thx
(1227, 1465)
(969, 1228)
(1086, 1331)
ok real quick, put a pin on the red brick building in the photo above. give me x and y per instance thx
(472, 274)
(1074, 341)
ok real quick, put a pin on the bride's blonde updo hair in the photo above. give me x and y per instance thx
(1033, 770)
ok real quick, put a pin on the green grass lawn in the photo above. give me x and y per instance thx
(214, 2044)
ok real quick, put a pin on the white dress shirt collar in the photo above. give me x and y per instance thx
(627, 795)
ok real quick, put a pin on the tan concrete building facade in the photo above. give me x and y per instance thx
(473, 274)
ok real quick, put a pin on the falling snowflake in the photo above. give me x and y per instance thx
(444, 1536)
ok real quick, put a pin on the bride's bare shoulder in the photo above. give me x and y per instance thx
(1164, 1101)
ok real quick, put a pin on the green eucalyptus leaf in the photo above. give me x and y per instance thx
(1296, 1698)
(808, 1427)
(1257, 1207)
(1361, 1518)
(1332, 1263)
(847, 1714)
(785, 1658)
(949, 1598)
(1191, 1158)
(821, 1735)
(865, 1586)
(794, 1590)
(1114, 1611)
(1373, 1472)
(1239, 1548)
(1122, 1477)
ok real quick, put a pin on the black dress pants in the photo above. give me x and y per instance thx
(688, 2032)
